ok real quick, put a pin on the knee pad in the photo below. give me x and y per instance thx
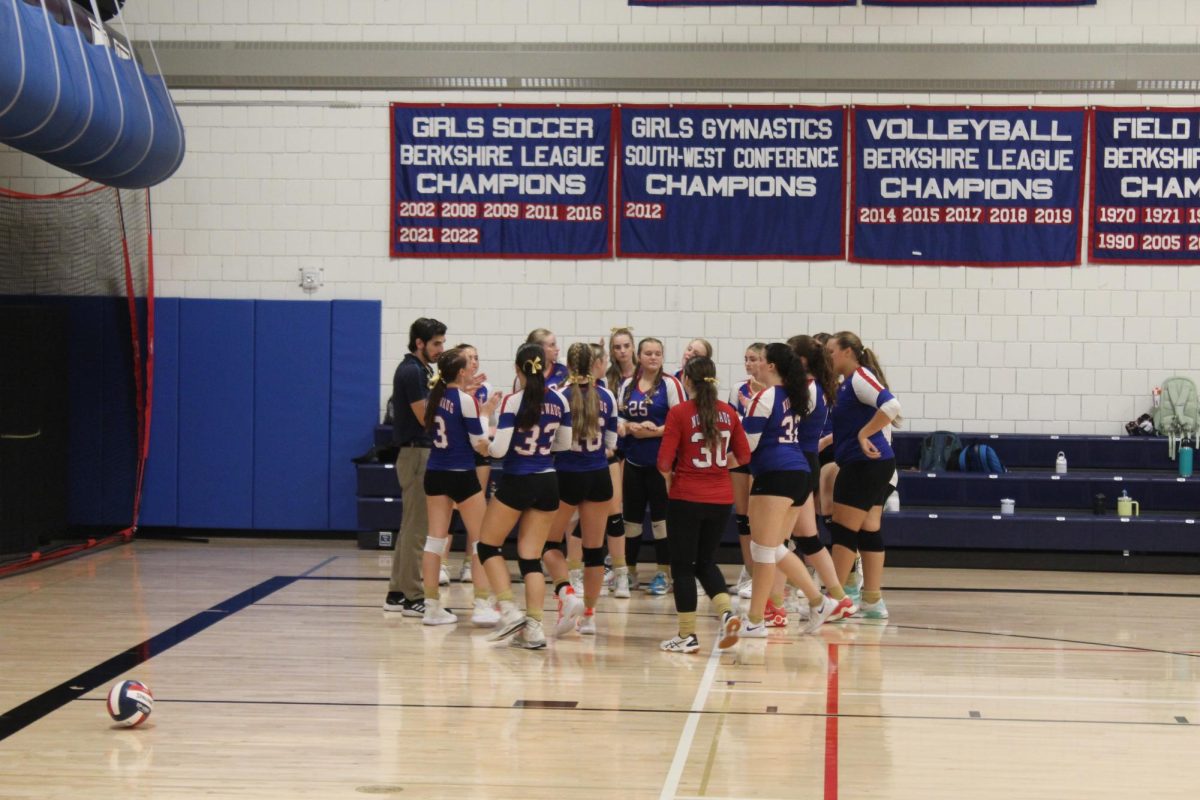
(840, 534)
(659, 530)
(870, 541)
(761, 554)
(808, 545)
(436, 546)
(615, 526)
(781, 552)
(529, 566)
(633, 530)
(743, 524)
(555, 546)
(487, 551)
(593, 556)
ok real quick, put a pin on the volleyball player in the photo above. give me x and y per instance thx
(534, 423)
(782, 483)
(646, 398)
(584, 486)
(620, 369)
(483, 392)
(697, 439)
(740, 399)
(866, 463)
(556, 373)
(452, 419)
(696, 347)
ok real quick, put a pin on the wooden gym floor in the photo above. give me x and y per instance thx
(278, 676)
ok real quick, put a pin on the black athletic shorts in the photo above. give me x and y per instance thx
(641, 487)
(482, 461)
(523, 492)
(814, 466)
(744, 469)
(794, 483)
(455, 484)
(864, 484)
(594, 486)
(825, 456)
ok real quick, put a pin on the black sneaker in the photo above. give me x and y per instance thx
(413, 608)
(394, 602)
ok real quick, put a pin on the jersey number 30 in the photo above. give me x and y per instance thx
(722, 459)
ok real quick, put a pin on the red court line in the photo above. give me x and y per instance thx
(1005, 647)
(831, 725)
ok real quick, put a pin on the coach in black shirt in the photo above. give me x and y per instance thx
(410, 388)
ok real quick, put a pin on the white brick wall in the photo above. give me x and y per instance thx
(275, 181)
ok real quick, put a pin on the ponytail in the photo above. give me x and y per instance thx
(531, 361)
(585, 402)
(449, 365)
(812, 350)
(792, 375)
(869, 360)
(702, 374)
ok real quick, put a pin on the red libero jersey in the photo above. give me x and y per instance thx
(701, 476)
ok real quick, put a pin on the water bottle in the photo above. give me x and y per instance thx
(1185, 462)
(1060, 464)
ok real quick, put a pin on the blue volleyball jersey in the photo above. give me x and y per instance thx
(456, 430)
(637, 406)
(530, 451)
(813, 427)
(589, 455)
(740, 398)
(773, 431)
(558, 376)
(858, 398)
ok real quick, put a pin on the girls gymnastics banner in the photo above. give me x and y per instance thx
(1145, 186)
(967, 186)
(499, 181)
(731, 182)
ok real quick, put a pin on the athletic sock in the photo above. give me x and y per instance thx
(754, 621)
(836, 592)
(687, 623)
(506, 596)
(722, 603)
(872, 597)
(617, 563)
(432, 592)
(574, 565)
(776, 600)
(815, 603)
(534, 613)
(481, 593)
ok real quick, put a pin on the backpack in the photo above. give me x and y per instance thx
(1179, 414)
(936, 451)
(980, 458)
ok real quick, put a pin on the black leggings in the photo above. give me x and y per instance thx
(641, 487)
(696, 530)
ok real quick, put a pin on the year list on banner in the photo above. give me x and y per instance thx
(967, 186)
(1145, 186)
(732, 182)
(980, 3)
(686, 3)
(489, 181)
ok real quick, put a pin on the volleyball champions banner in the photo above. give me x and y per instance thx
(685, 3)
(978, 3)
(967, 186)
(1145, 186)
(731, 182)
(489, 181)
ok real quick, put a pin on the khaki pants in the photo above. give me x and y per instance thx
(414, 525)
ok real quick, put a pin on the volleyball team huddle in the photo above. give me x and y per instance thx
(606, 442)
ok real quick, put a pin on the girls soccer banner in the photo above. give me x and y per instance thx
(488, 181)
(731, 182)
(1145, 186)
(967, 186)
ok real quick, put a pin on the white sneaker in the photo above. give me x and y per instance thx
(570, 609)
(751, 631)
(742, 587)
(436, 615)
(443, 577)
(511, 621)
(484, 614)
(818, 615)
(681, 644)
(872, 610)
(587, 625)
(531, 637)
(576, 578)
(792, 604)
(621, 583)
(464, 575)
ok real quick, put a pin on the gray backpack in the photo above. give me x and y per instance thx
(1178, 416)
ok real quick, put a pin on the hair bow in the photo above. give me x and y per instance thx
(435, 379)
(711, 380)
(534, 365)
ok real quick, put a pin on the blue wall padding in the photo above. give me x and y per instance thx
(118, 429)
(291, 415)
(216, 414)
(160, 495)
(86, 363)
(354, 403)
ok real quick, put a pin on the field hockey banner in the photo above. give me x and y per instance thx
(731, 182)
(488, 181)
(967, 186)
(1145, 186)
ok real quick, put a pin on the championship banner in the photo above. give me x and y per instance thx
(980, 3)
(967, 186)
(500, 181)
(1145, 186)
(686, 3)
(731, 182)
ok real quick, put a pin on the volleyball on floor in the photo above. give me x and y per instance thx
(130, 702)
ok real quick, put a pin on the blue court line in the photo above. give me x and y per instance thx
(311, 570)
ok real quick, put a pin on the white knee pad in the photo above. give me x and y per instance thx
(761, 554)
(633, 530)
(659, 529)
(781, 553)
(436, 546)
(475, 549)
